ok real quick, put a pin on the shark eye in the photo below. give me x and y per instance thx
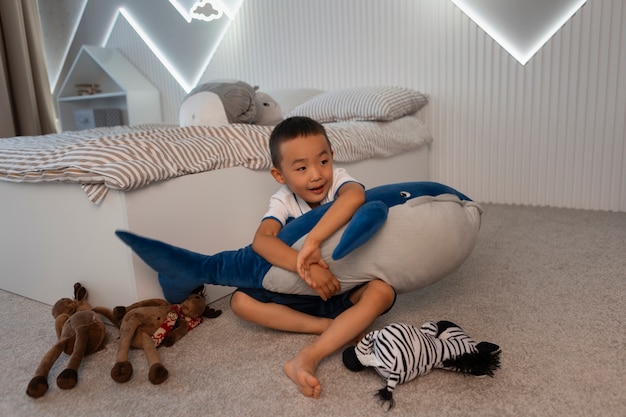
(405, 194)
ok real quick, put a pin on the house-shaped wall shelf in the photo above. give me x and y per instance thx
(120, 86)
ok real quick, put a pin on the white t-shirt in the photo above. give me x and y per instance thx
(285, 204)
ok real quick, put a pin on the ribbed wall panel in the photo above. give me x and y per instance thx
(547, 133)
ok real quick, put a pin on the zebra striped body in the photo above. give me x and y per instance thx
(401, 352)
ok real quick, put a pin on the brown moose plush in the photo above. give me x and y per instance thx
(80, 332)
(150, 323)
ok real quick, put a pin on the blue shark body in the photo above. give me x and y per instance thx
(437, 222)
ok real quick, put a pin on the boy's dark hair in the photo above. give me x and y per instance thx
(292, 128)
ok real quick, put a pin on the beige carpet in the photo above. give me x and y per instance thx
(547, 285)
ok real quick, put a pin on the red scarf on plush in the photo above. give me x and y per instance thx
(170, 321)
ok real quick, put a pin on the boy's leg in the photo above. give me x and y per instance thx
(370, 301)
(276, 316)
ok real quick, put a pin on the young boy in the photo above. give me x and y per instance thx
(302, 161)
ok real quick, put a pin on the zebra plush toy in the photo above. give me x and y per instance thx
(401, 352)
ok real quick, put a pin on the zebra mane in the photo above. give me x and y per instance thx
(385, 396)
(482, 362)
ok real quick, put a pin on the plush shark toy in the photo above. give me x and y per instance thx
(408, 234)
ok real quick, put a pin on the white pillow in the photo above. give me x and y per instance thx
(362, 103)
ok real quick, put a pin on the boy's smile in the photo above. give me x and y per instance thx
(317, 190)
(306, 167)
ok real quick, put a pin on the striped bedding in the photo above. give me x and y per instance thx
(127, 158)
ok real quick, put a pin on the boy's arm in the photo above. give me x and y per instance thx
(271, 248)
(350, 197)
(278, 253)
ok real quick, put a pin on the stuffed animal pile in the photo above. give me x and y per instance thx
(401, 352)
(145, 325)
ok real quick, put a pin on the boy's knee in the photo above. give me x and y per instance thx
(238, 302)
(383, 290)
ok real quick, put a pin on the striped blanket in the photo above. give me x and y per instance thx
(127, 158)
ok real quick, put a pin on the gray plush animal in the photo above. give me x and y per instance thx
(219, 103)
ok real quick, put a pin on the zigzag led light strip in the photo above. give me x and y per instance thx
(186, 84)
(473, 10)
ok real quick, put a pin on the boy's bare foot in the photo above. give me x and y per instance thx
(302, 372)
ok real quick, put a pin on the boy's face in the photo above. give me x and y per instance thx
(306, 167)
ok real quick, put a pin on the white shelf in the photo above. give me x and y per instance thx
(123, 87)
(91, 97)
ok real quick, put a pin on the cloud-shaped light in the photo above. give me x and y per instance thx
(186, 82)
(205, 10)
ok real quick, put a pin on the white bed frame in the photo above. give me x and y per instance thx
(53, 236)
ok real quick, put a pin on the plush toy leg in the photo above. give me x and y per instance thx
(59, 322)
(68, 378)
(122, 370)
(157, 373)
(108, 314)
(181, 271)
(38, 385)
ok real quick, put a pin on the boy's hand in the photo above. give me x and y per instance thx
(308, 255)
(323, 282)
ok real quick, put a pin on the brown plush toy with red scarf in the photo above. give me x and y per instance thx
(148, 324)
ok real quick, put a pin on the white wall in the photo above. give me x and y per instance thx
(547, 133)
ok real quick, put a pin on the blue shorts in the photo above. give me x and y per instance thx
(308, 304)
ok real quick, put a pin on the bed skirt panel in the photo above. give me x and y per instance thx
(53, 236)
